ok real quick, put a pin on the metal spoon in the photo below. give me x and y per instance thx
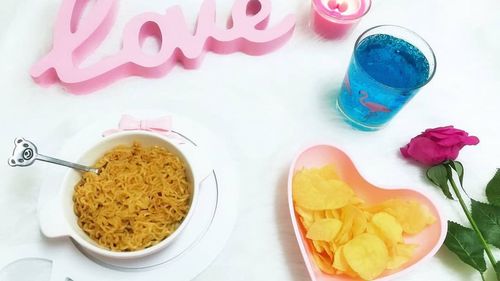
(25, 153)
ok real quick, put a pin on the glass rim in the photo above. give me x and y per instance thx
(318, 4)
(432, 71)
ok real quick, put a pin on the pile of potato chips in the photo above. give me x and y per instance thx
(346, 235)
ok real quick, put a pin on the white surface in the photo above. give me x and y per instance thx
(267, 108)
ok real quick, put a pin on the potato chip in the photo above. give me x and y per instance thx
(368, 215)
(356, 201)
(406, 250)
(367, 255)
(305, 213)
(412, 216)
(328, 250)
(303, 192)
(323, 263)
(318, 215)
(332, 214)
(340, 263)
(322, 247)
(359, 222)
(307, 224)
(324, 229)
(347, 218)
(318, 247)
(387, 228)
(327, 172)
(333, 247)
(370, 228)
(305, 216)
(395, 262)
(312, 192)
(402, 253)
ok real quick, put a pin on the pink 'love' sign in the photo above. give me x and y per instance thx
(76, 38)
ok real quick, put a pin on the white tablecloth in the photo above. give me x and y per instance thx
(266, 108)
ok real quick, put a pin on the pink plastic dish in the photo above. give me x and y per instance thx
(429, 240)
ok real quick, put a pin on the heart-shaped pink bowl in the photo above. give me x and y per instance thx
(429, 240)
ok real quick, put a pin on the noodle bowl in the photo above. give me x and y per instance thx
(140, 202)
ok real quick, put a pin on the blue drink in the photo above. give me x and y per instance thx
(384, 74)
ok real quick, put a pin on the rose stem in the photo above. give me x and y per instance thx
(471, 220)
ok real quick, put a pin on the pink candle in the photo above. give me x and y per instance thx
(333, 19)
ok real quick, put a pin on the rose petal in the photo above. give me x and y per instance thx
(450, 141)
(404, 151)
(440, 129)
(471, 140)
(426, 151)
(445, 132)
(437, 135)
(454, 131)
(453, 153)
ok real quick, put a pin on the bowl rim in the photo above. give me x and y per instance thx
(94, 248)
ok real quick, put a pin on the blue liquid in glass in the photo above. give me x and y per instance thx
(384, 74)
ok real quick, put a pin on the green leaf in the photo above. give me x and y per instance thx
(459, 168)
(493, 189)
(465, 244)
(487, 218)
(438, 175)
(497, 270)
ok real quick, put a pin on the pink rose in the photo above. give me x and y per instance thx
(437, 145)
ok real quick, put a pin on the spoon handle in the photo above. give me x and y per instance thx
(66, 163)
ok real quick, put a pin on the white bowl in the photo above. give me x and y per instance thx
(60, 219)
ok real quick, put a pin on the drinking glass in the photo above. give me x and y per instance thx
(388, 67)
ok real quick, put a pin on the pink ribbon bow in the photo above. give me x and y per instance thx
(162, 125)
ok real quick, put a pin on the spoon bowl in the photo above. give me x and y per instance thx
(429, 240)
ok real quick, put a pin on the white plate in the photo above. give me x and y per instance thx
(202, 239)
